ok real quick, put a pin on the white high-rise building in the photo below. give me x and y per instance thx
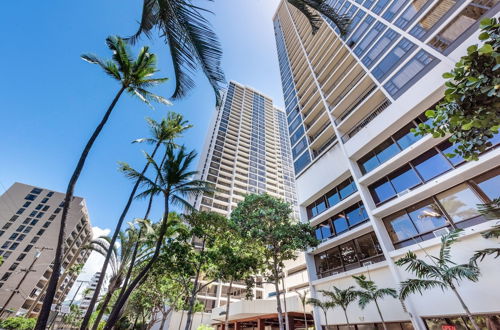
(373, 190)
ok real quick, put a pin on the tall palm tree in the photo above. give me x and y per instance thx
(342, 298)
(303, 301)
(176, 184)
(490, 211)
(323, 305)
(120, 260)
(370, 292)
(443, 273)
(193, 44)
(134, 77)
(162, 133)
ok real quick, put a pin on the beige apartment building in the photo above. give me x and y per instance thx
(373, 190)
(29, 226)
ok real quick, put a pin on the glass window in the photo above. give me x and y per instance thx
(447, 148)
(410, 13)
(380, 47)
(347, 188)
(426, 216)
(297, 135)
(302, 162)
(356, 214)
(368, 163)
(412, 71)
(400, 227)
(295, 124)
(460, 202)
(405, 138)
(431, 164)
(333, 258)
(333, 197)
(386, 150)
(382, 191)
(348, 253)
(324, 230)
(404, 178)
(490, 183)
(394, 9)
(360, 31)
(379, 7)
(299, 148)
(340, 224)
(368, 3)
(366, 247)
(356, 19)
(392, 59)
(367, 41)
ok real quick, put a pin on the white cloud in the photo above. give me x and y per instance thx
(92, 266)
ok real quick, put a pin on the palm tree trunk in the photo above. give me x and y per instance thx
(326, 319)
(228, 301)
(305, 318)
(347, 319)
(118, 227)
(105, 303)
(113, 317)
(56, 272)
(466, 309)
(380, 314)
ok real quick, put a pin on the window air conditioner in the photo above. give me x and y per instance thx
(441, 232)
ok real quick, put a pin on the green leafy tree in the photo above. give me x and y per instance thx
(18, 323)
(371, 293)
(73, 317)
(323, 305)
(134, 77)
(194, 45)
(175, 182)
(443, 273)
(164, 133)
(341, 298)
(470, 111)
(267, 221)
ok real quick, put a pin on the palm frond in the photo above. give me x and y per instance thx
(446, 242)
(364, 298)
(492, 233)
(417, 266)
(109, 67)
(419, 285)
(459, 272)
(491, 210)
(380, 293)
(149, 19)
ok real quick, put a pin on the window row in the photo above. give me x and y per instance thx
(456, 208)
(334, 196)
(359, 252)
(342, 222)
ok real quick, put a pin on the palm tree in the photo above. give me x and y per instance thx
(120, 260)
(193, 44)
(134, 76)
(303, 301)
(370, 292)
(162, 133)
(341, 298)
(176, 183)
(323, 305)
(490, 211)
(443, 273)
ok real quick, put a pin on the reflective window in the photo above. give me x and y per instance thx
(380, 47)
(394, 9)
(412, 71)
(340, 224)
(400, 227)
(367, 41)
(333, 197)
(299, 148)
(360, 31)
(297, 135)
(447, 148)
(338, 193)
(301, 162)
(347, 188)
(393, 58)
(323, 231)
(382, 191)
(460, 202)
(348, 253)
(431, 164)
(380, 6)
(368, 3)
(356, 214)
(490, 184)
(356, 19)
(426, 216)
(386, 151)
(404, 178)
(405, 138)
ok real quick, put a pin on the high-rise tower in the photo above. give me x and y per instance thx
(370, 187)
(29, 226)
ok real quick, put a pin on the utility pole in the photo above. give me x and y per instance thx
(30, 269)
(70, 303)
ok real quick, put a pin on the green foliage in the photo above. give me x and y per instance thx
(204, 327)
(490, 210)
(18, 323)
(341, 297)
(443, 273)
(323, 305)
(470, 111)
(370, 292)
(492, 233)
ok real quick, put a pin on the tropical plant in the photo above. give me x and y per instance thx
(470, 111)
(267, 221)
(162, 133)
(341, 298)
(443, 273)
(323, 305)
(134, 76)
(18, 323)
(370, 292)
(193, 44)
(175, 183)
(481, 254)
(73, 317)
(303, 300)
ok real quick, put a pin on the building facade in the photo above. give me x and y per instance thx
(373, 190)
(29, 226)
(88, 293)
(246, 151)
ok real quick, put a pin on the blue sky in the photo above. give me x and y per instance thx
(51, 100)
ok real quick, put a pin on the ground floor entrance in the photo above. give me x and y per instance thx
(268, 322)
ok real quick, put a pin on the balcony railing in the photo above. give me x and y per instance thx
(365, 121)
(355, 104)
